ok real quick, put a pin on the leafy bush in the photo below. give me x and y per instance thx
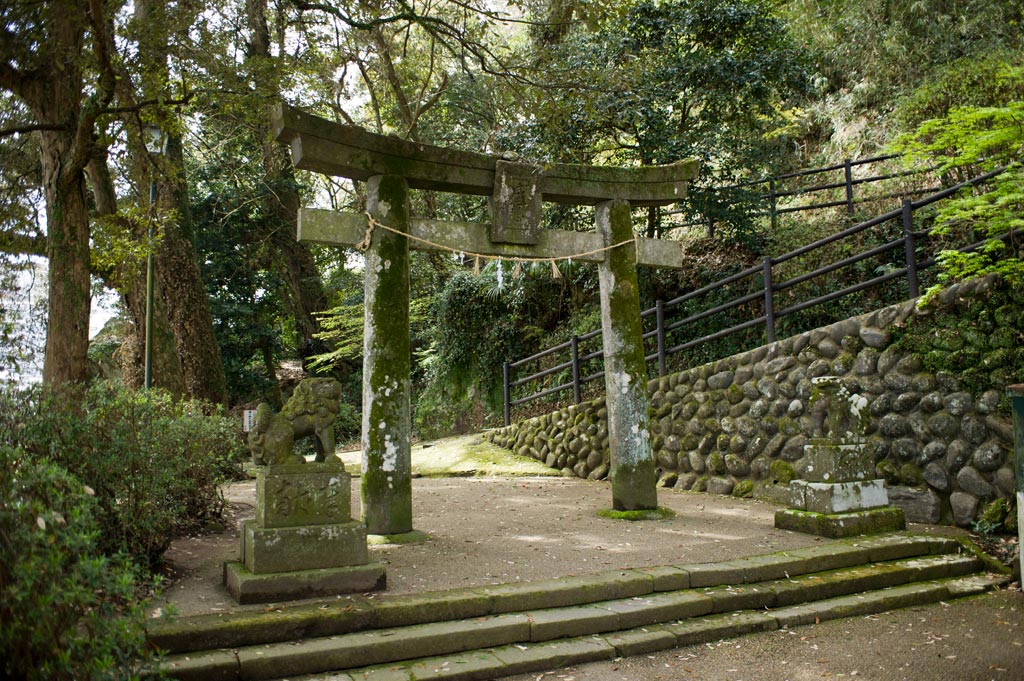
(154, 463)
(66, 610)
(475, 331)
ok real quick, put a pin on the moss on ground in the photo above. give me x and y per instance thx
(659, 513)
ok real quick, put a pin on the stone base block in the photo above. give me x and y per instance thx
(284, 549)
(820, 497)
(837, 525)
(828, 462)
(247, 587)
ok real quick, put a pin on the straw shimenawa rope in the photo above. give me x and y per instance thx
(372, 224)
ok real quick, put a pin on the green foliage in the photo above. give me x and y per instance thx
(662, 81)
(154, 463)
(474, 331)
(342, 329)
(969, 137)
(244, 291)
(975, 81)
(993, 517)
(964, 142)
(118, 249)
(877, 48)
(67, 611)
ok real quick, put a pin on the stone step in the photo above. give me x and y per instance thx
(536, 657)
(357, 613)
(518, 631)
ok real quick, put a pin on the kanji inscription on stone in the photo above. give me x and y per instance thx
(303, 495)
(515, 204)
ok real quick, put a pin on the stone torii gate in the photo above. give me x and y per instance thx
(390, 167)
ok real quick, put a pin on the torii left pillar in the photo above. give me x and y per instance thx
(386, 487)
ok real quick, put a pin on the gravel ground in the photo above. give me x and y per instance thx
(497, 530)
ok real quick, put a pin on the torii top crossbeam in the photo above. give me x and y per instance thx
(348, 151)
(516, 191)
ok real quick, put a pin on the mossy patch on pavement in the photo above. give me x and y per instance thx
(659, 513)
(413, 537)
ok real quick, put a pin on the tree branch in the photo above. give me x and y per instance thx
(103, 48)
(136, 107)
(23, 129)
(22, 244)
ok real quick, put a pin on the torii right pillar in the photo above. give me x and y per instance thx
(634, 480)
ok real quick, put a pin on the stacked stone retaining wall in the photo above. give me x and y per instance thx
(738, 425)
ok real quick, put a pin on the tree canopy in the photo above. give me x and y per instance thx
(749, 87)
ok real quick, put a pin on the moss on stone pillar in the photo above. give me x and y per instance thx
(386, 484)
(632, 462)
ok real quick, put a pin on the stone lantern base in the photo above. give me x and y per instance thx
(839, 497)
(838, 525)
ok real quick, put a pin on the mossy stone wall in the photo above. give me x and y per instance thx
(934, 378)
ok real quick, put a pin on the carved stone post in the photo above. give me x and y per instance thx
(387, 468)
(632, 461)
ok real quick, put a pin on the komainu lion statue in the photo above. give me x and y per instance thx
(310, 411)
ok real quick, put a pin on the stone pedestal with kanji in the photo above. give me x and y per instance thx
(303, 541)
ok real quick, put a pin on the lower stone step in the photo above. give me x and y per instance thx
(354, 613)
(536, 657)
(522, 629)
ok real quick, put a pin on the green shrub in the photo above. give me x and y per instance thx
(67, 611)
(155, 464)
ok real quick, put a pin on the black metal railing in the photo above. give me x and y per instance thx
(782, 194)
(762, 293)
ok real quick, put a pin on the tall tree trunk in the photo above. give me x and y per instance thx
(177, 268)
(57, 100)
(166, 367)
(184, 293)
(67, 229)
(292, 260)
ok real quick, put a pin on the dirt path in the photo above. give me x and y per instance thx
(488, 530)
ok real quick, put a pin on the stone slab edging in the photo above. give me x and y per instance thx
(517, 659)
(360, 613)
(490, 648)
(519, 629)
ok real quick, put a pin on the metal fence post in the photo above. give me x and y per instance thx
(575, 346)
(659, 316)
(909, 247)
(1016, 393)
(772, 207)
(507, 370)
(848, 168)
(769, 301)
